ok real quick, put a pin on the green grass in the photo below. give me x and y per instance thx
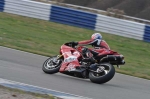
(45, 38)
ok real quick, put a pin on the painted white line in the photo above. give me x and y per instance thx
(36, 89)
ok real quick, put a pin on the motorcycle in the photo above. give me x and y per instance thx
(95, 64)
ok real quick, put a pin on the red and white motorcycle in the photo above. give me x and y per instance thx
(83, 62)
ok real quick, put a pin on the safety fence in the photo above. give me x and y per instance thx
(72, 17)
(78, 18)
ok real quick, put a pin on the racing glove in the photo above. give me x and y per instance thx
(73, 44)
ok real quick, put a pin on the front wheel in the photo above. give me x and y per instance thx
(51, 65)
(104, 73)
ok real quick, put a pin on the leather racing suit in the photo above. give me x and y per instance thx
(97, 43)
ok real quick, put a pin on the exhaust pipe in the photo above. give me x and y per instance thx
(109, 58)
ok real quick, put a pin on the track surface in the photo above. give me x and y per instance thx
(26, 68)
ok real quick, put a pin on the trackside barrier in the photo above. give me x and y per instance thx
(28, 8)
(73, 17)
(120, 27)
(2, 3)
(147, 33)
(78, 18)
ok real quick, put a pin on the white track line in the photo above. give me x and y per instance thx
(32, 88)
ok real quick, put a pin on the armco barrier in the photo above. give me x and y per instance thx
(77, 18)
(147, 33)
(120, 27)
(28, 8)
(2, 3)
(72, 17)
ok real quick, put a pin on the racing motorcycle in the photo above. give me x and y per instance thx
(80, 61)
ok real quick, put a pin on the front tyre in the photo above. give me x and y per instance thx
(51, 65)
(106, 74)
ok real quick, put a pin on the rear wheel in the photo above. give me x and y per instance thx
(104, 73)
(51, 65)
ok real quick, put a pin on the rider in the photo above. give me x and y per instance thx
(95, 41)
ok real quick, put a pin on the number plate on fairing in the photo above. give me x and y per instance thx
(70, 59)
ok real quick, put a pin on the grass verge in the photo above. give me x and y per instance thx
(45, 38)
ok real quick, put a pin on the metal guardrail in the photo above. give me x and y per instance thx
(97, 11)
(28, 8)
(120, 27)
(2, 3)
(72, 17)
(147, 33)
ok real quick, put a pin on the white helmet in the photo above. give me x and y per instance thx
(96, 36)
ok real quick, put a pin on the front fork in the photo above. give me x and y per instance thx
(59, 57)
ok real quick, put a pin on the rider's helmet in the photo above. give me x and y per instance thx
(96, 36)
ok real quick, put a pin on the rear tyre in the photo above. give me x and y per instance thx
(106, 75)
(51, 65)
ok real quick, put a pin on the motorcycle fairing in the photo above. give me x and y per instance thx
(70, 58)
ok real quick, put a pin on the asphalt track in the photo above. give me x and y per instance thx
(26, 68)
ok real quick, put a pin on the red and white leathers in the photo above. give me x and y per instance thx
(94, 43)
